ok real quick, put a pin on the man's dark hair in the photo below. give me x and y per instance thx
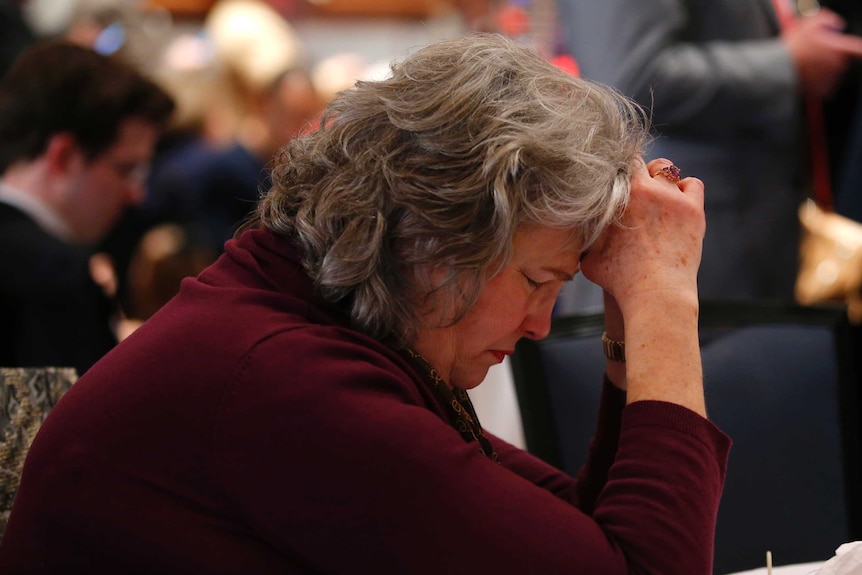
(55, 87)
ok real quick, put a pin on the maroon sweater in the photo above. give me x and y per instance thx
(246, 429)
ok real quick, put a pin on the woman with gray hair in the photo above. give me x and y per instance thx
(301, 405)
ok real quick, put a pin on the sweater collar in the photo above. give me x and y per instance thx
(275, 262)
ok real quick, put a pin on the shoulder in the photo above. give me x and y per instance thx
(31, 255)
(11, 216)
(325, 388)
(321, 374)
(329, 360)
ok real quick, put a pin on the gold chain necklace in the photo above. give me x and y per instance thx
(462, 415)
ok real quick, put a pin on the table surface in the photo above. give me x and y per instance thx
(798, 569)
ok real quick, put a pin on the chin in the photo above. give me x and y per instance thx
(469, 381)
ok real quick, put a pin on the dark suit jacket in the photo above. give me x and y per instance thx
(722, 91)
(51, 311)
(843, 112)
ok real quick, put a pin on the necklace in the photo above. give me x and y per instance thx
(462, 415)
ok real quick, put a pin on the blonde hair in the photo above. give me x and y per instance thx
(436, 167)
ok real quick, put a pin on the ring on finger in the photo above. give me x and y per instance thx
(670, 172)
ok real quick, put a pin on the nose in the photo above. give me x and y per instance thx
(537, 322)
(136, 184)
(135, 193)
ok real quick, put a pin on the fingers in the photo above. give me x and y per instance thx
(671, 173)
(663, 170)
(657, 246)
(847, 45)
(826, 18)
(692, 187)
(662, 226)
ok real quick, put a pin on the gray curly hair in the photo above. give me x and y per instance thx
(435, 168)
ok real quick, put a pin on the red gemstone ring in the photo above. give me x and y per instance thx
(670, 172)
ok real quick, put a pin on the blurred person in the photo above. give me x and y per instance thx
(255, 46)
(843, 118)
(301, 406)
(146, 38)
(189, 72)
(77, 131)
(726, 85)
(232, 179)
(270, 99)
(166, 254)
(848, 181)
(242, 92)
(101, 25)
(135, 31)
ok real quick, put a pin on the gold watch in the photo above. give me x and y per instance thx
(614, 350)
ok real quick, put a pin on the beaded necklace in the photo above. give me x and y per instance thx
(462, 415)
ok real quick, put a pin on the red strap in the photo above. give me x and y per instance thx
(817, 143)
(821, 178)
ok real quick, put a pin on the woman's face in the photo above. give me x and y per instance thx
(515, 303)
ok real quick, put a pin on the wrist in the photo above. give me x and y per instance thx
(670, 301)
(614, 349)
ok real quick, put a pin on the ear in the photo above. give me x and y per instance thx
(63, 155)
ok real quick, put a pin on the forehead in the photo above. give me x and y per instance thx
(545, 246)
(135, 140)
(552, 240)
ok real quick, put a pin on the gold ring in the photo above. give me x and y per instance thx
(670, 172)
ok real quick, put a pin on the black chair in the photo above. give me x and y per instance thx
(782, 381)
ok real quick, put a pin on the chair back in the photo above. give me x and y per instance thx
(782, 381)
(27, 394)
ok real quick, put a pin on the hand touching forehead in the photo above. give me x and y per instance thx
(657, 244)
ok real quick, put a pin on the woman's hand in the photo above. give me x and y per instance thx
(648, 265)
(657, 245)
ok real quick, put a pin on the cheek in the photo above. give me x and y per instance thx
(99, 187)
(500, 314)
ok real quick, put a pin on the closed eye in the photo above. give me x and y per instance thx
(533, 283)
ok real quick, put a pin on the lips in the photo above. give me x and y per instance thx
(500, 355)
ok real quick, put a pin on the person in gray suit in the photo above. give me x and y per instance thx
(726, 86)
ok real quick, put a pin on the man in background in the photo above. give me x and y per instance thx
(843, 119)
(77, 131)
(727, 82)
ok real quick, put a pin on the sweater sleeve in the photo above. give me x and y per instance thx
(339, 464)
(593, 474)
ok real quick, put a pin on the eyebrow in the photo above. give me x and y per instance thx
(561, 274)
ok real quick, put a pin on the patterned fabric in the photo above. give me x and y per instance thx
(462, 415)
(26, 397)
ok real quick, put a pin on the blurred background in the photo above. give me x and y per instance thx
(372, 30)
(249, 75)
